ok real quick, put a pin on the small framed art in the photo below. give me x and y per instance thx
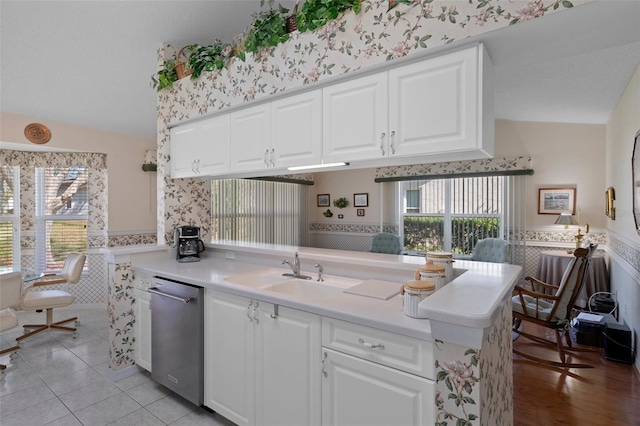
(361, 200)
(323, 200)
(360, 212)
(556, 200)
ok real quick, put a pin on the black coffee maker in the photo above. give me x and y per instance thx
(188, 243)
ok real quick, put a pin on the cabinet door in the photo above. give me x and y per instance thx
(433, 105)
(251, 139)
(355, 118)
(213, 145)
(359, 392)
(296, 130)
(288, 367)
(183, 150)
(229, 357)
(142, 328)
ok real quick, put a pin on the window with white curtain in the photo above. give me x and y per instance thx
(259, 211)
(9, 217)
(451, 215)
(62, 207)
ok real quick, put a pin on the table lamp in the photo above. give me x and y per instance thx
(567, 219)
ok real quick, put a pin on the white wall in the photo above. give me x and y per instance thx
(563, 155)
(132, 192)
(623, 236)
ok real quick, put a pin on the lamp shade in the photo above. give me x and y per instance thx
(566, 219)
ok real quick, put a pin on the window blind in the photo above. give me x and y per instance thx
(9, 216)
(259, 211)
(62, 206)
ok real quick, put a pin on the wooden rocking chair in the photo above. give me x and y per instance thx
(552, 310)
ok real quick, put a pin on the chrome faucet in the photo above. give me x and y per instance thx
(295, 267)
(320, 272)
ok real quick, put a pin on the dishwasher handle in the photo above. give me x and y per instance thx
(154, 290)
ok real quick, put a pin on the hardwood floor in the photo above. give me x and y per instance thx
(608, 394)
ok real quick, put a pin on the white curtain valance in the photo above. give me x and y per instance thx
(30, 159)
(451, 169)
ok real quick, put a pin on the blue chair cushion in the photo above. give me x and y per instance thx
(491, 250)
(386, 243)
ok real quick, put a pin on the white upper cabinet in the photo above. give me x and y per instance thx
(296, 130)
(354, 119)
(433, 109)
(435, 105)
(419, 110)
(251, 138)
(200, 148)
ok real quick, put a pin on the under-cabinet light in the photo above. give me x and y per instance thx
(318, 166)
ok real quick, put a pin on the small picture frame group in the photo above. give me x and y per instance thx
(361, 200)
(324, 200)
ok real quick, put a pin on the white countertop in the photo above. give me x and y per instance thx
(470, 302)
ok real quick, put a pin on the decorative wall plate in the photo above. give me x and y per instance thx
(37, 133)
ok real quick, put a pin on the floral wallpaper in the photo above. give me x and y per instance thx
(120, 310)
(474, 386)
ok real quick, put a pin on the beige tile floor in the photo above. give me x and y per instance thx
(62, 381)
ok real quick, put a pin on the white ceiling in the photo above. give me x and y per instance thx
(89, 62)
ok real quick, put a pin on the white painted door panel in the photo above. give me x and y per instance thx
(183, 148)
(355, 117)
(433, 105)
(359, 392)
(213, 145)
(296, 129)
(251, 139)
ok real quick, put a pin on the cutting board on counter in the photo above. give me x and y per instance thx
(383, 290)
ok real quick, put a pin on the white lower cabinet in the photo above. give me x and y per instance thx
(142, 325)
(373, 377)
(262, 362)
(360, 392)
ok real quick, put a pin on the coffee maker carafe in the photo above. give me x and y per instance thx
(188, 244)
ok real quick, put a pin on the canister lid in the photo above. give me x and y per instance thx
(439, 254)
(431, 267)
(418, 285)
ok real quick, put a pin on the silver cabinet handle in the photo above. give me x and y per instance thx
(382, 143)
(274, 315)
(272, 158)
(265, 157)
(371, 345)
(255, 307)
(393, 149)
(249, 311)
(170, 296)
(324, 357)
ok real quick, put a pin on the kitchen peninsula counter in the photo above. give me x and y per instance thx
(467, 306)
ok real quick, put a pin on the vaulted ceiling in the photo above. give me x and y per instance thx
(89, 62)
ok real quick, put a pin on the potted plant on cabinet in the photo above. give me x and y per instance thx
(269, 28)
(208, 58)
(315, 13)
(165, 77)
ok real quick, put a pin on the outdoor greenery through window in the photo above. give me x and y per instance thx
(259, 211)
(62, 206)
(451, 215)
(8, 216)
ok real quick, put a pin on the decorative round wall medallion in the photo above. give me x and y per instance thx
(37, 133)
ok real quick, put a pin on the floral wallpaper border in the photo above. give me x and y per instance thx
(456, 167)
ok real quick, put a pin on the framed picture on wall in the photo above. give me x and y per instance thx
(556, 200)
(361, 200)
(360, 212)
(323, 200)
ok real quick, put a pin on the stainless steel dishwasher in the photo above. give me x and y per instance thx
(177, 337)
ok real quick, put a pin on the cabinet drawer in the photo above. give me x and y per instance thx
(396, 351)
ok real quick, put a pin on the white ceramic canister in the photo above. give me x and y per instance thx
(412, 293)
(443, 259)
(434, 273)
